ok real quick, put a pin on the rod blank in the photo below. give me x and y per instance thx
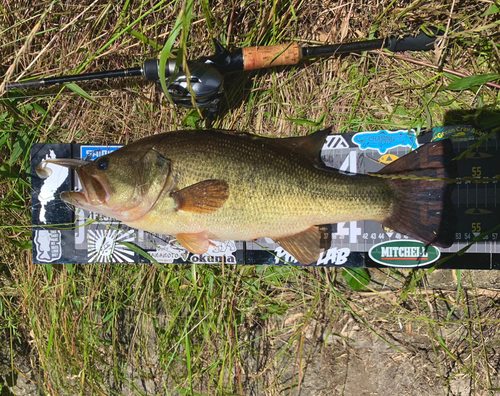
(77, 77)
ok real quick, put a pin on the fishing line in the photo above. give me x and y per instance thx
(471, 179)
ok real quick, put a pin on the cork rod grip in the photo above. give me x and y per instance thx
(274, 55)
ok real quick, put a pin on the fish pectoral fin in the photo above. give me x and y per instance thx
(204, 197)
(194, 243)
(304, 246)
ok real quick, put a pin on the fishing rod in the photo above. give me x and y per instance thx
(204, 77)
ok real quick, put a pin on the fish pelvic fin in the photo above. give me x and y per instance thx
(423, 209)
(194, 243)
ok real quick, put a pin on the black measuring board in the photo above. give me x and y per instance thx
(477, 204)
(62, 235)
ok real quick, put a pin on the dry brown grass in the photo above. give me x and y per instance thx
(137, 325)
(352, 92)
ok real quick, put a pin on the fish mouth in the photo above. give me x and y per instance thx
(77, 199)
(93, 193)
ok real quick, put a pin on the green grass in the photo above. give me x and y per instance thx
(218, 329)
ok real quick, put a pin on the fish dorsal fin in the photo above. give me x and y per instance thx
(204, 197)
(304, 246)
(194, 243)
(309, 146)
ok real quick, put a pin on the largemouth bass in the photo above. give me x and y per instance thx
(202, 185)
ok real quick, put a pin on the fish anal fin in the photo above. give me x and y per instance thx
(204, 197)
(304, 246)
(195, 243)
(423, 209)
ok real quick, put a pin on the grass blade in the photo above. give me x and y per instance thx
(472, 81)
(80, 92)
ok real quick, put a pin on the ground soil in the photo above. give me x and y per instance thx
(341, 355)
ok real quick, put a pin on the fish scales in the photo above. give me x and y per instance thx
(201, 185)
(272, 192)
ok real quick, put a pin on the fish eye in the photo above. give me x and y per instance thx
(102, 163)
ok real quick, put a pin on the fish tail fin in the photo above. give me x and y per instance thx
(423, 208)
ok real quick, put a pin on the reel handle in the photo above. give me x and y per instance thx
(204, 82)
